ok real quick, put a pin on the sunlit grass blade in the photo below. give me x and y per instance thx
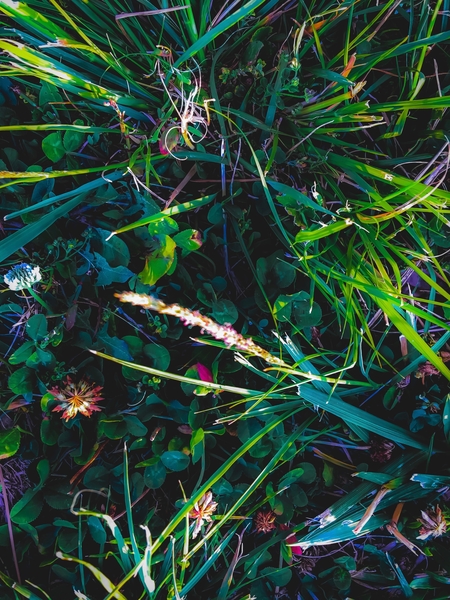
(168, 212)
(101, 578)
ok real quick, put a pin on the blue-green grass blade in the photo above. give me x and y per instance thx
(27, 234)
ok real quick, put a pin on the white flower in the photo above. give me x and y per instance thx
(22, 276)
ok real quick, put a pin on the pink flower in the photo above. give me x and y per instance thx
(291, 539)
(204, 373)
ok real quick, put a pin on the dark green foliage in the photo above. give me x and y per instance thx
(279, 168)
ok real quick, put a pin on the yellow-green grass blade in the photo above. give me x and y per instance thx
(349, 165)
(168, 212)
(312, 235)
(394, 314)
(220, 472)
(268, 469)
(105, 581)
(173, 376)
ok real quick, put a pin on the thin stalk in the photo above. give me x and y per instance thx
(38, 299)
(8, 520)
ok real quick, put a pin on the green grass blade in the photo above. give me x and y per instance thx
(27, 234)
(206, 39)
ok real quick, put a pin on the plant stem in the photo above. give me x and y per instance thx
(38, 299)
(8, 520)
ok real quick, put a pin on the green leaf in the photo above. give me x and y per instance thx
(175, 209)
(112, 344)
(297, 495)
(446, 417)
(41, 358)
(114, 251)
(24, 236)
(189, 389)
(306, 314)
(43, 469)
(96, 530)
(48, 93)
(188, 240)
(166, 226)
(159, 356)
(279, 577)
(114, 427)
(225, 24)
(155, 475)
(215, 215)
(300, 199)
(197, 445)
(224, 311)
(21, 381)
(107, 274)
(58, 495)
(68, 539)
(347, 562)
(52, 146)
(261, 448)
(391, 397)
(22, 353)
(291, 477)
(9, 442)
(309, 473)
(36, 327)
(97, 477)
(342, 579)
(282, 308)
(135, 427)
(175, 460)
(431, 482)
(196, 419)
(135, 345)
(160, 261)
(28, 508)
(360, 418)
(252, 51)
(49, 431)
(73, 139)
